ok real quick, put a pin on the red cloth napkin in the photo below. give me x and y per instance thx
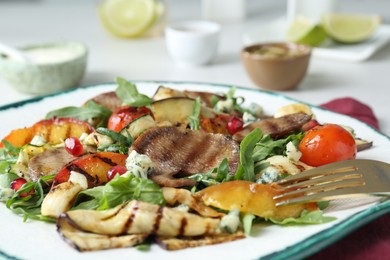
(353, 108)
(371, 241)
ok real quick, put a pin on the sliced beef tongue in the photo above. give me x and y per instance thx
(48, 162)
(275, 127)
(51, 161)
(177, 153)
(108, 100)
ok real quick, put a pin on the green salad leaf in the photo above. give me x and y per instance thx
(30, 206)
(118, 191)
(194, 118)
(91, 110)
(129, 94)
(306, 217)
(121, 142)
(268, 147)
(247, 147)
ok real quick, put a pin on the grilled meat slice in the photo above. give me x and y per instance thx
(108, 100)
(275, 127)
(48, 162)
(178, 153)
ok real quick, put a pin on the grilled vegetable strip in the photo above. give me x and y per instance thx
(137, 217)
(185, 242)
(174, 196)
(60, 199)
(93, 166)
(85, 241)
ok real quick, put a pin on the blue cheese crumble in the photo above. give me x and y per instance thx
(224, 106)
(139, 165)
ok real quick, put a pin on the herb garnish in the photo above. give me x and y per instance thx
(129, 94)
(91, 110)
(120, 190)
(121, 142)
(194, 118)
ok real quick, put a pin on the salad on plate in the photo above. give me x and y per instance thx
(180, 168)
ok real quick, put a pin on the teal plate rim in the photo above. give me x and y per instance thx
(308, 247)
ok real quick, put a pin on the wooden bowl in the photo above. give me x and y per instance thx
(276, 66)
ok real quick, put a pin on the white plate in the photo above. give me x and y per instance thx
(38, 240)
(275, 31)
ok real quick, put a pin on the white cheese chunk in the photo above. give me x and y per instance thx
(224, 106)
(38, 140)
(78, 178)
(139, 164)
(292, 152)
(231, 221)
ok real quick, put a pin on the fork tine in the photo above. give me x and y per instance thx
(323, 196)
(322, 179)
(316, 172)
(321, 188)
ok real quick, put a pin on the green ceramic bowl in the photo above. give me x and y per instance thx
(52, 67)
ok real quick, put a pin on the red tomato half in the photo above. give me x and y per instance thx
(325, 144)
(125, 115)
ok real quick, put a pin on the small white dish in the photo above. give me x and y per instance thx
(192, 42)
(275, 31)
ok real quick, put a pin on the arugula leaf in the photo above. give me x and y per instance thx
(194, 118)
(119, 190)
(30, 205)
(215, 176)
(247, 147)
(9, 153)
(121, 142)
(268, 147)
(306, 217)
(129, 94)
(91, 110)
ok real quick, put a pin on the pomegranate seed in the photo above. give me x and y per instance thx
(309, 125)
(117, 169)
(17, 184)
(234, 125)
(74, 146)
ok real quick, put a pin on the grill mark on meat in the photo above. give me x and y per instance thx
(131, 218)
(183, 225)
(178, 152)
(157, 220)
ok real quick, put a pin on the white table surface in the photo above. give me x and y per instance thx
(25, 22)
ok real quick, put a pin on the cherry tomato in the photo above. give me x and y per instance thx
(125, 115)
(325, 144)
(117, 169)
(234, 125)
(74, 146)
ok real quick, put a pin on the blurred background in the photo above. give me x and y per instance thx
(25, 22)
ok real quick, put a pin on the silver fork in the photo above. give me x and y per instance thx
(345, 179)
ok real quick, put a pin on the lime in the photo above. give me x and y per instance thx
(128, 18)
(303, 30)
(350, 28)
